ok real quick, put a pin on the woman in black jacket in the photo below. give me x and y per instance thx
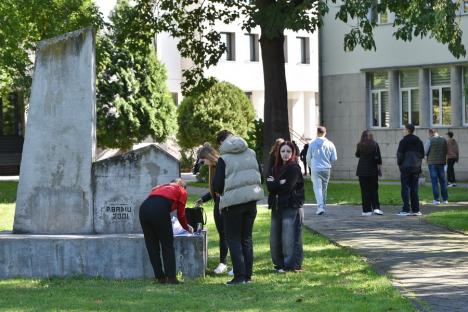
(368, 171)
(286, 197)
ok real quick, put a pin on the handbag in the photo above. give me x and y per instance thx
(195, 216)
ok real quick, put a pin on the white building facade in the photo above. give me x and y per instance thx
(242, 66)
(417, 82)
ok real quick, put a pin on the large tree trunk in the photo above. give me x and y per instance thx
(275, 109)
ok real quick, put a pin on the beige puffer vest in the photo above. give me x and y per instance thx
(242, 178)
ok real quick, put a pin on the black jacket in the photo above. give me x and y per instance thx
(410, 154)
(289, 194)
(369, 159)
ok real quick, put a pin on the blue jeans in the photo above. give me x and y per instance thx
(438, 177)
(286, 238)
(320, 183)
(409, 190)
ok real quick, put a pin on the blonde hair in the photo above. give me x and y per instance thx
(207, 152)
(179, 181)
(278, 142)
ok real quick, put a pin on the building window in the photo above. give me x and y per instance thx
(464, 6)
(175, 97)
(285, 49)
(441, 104)
(379, 99)
(229, 42)
(409, 97)
(465, 96)
(254, 47)
(305, 50)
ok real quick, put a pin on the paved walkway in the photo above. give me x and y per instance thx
(428, 263)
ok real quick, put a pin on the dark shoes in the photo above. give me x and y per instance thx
(168, 280)
(236, 282)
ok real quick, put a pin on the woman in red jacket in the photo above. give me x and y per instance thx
(155, 220)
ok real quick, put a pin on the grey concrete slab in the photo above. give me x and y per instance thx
(428, 263)
(121, 183)
(54, 192)
(121, 256)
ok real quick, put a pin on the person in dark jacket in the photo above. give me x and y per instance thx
(436, 151)
(452, 158)
(370, 160)
(155, 220)
(286, 197)
(410, 154)
(303, 157)
(209, 157)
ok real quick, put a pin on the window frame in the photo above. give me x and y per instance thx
(410, 103)
(254, 47)
(431, 101)
(230, 54)
(464, 97)
(379, 93)
(304, 45)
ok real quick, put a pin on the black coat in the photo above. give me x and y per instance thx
(369, 159)
(289, 194)
(410, 154)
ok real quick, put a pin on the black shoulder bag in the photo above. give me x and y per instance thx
(195, 216)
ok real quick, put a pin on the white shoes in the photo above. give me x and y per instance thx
(221, 268)
(231, 273)
(320, 211)
(366, 214)
(378, 212)
(436, 202)
(445, 202)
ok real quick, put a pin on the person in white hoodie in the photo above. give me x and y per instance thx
(320, 157)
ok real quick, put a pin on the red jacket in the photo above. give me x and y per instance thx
(178, 195)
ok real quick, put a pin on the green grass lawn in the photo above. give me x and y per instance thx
(334, 280)
(453, 219)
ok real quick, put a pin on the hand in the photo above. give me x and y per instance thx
(198, 202)
(282, 181)
(270, 179)
(190, 229)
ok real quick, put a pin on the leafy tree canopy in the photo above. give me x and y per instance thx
(202, 116)
(132, 97)
(25, 22)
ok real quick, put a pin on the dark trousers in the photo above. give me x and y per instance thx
(286, 238)
(238, 224)
(155, 220)
(450, 170)
(223, 245)
(369, 193)
(410, 190)
(306, 168)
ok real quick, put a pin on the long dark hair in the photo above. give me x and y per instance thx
(367, 143)
(279, 160)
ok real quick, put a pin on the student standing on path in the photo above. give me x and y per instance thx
(452, 158)
(238, 182)
(409, 157)
(285, 199)
(303, 157)
(436, 151)
(209, 157)
(370, 160)
(320, 157)
(155, 220)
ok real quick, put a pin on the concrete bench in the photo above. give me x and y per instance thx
(115, 256)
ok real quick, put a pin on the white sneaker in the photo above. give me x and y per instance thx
(378, 212)
(320, 211)
(445, 202)
(436, 202)
(403, 214)
(419, 213)
(221, 268)
(231, 273)
(280, 271)
(366, 214)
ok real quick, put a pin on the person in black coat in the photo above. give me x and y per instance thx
(303, 157)
(410, 154)
(285, 199)
(368, 171)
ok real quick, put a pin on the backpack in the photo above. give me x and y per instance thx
(195, 216)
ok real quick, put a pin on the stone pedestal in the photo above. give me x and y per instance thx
(121, 256)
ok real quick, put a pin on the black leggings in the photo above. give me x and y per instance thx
(223, 246)
(155, 220)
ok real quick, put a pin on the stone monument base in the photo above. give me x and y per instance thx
(115, 256)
